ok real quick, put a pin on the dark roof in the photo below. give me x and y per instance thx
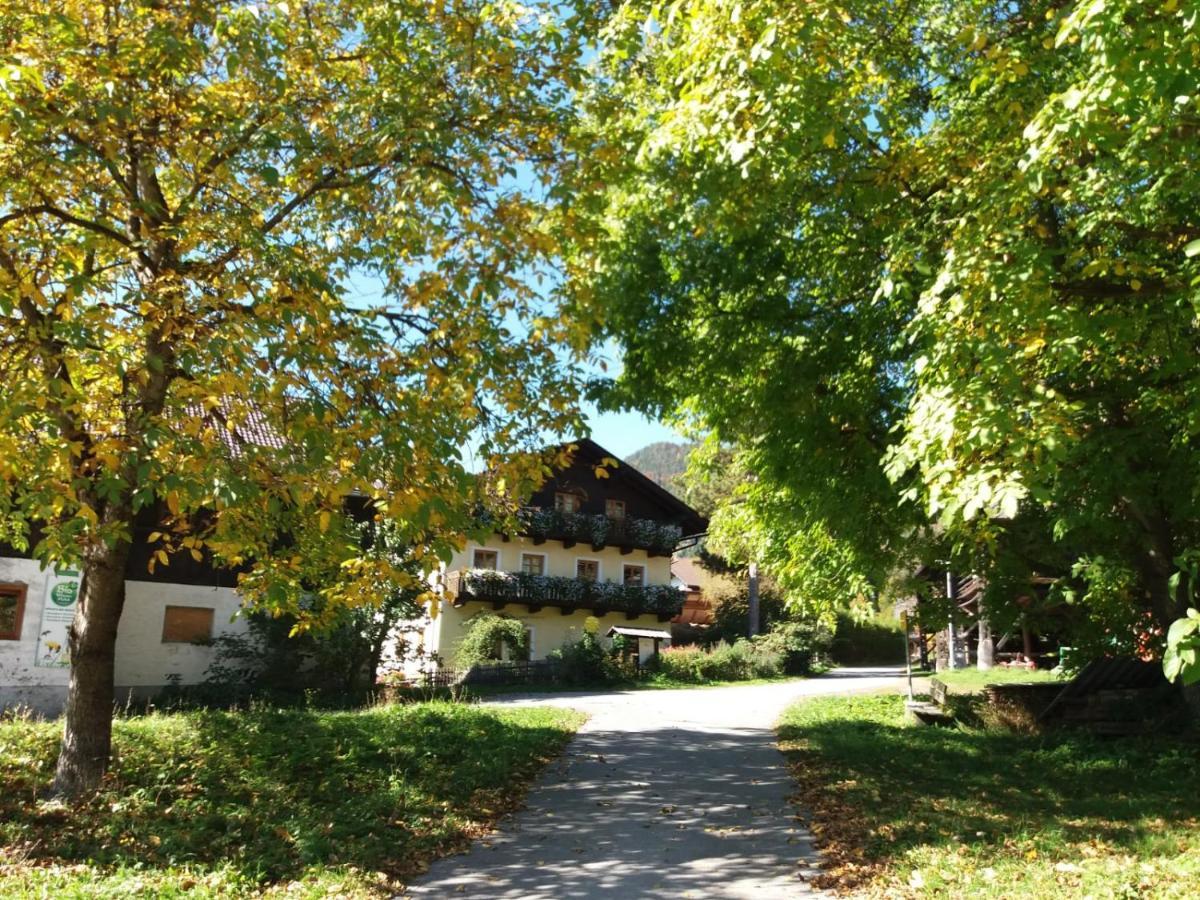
(589, 450)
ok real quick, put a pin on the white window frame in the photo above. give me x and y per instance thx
(599, 566)
(641, 566)
(499, 558)
(545, 561)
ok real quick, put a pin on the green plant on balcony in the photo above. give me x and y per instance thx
(598, 532)
(552, 590)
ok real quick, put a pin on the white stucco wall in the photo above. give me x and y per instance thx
(22, 683)
(551, 629)
(144, 664)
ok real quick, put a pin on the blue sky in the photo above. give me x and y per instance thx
(623, 433)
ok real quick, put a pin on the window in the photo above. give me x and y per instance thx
(567, 503)
(614, 509)
(12, 611)
(587, 569)
(187, 624)
(635, 575)
(485, 559)
(533, 563)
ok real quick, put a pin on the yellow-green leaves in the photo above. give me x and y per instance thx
(255, 261)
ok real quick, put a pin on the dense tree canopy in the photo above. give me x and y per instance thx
(257, 258)
(931, 267)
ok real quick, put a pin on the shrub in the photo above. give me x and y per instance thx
(585, 662)
(486, 635)
(739, 661)
(798, 644)
(875, 641)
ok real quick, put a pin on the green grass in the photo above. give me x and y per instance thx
(951, 812)
(969, 681)
(301, 802)
(655, 682)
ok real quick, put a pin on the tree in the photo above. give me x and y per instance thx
(931, 267)
(255, 258)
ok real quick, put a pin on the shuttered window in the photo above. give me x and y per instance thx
(187, 624)
(12, 611)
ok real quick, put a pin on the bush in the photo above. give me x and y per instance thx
(585, 662)
(739, 661)
(798, 644)
(877, 641)
(486, 635)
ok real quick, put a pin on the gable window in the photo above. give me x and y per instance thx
(567, 503)
(187, 624)
(533, 563)
(587, 569)
(12, 611)
(485, 559)
(614, 509)
(634, 575)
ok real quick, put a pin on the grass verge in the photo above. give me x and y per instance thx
(950, 812)
(307, 803)
(970, 681)
(650, 683)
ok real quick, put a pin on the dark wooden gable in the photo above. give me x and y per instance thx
(643, 498)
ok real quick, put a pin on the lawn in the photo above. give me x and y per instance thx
(301, 802)
(953, 812)
(970, 681)
(654, 682)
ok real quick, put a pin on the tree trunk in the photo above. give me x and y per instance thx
(87, 733)
(753, 600)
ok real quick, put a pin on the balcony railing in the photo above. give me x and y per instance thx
(657, 538)
(567, 594)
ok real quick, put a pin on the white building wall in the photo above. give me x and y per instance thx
(551, 629)
(144, 664)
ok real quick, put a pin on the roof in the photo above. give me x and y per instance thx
(694, 522)
(688, 570)
(639, 632)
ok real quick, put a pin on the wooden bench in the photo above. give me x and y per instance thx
(938, 692)
(931, 713)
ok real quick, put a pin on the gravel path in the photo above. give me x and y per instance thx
(677, 793)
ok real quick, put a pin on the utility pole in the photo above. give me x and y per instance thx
(753, 597)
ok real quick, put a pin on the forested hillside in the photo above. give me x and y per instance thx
(663, 461)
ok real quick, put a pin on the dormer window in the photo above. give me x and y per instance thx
(614, 509)
(567, 503)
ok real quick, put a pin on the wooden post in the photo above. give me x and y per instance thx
(952, 596)
(753, 598)
(986, 652)
(907, 656)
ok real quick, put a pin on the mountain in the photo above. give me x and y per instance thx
(662, 462)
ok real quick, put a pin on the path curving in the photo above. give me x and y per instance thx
(678, 793)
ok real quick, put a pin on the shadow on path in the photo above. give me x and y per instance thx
(662, 794)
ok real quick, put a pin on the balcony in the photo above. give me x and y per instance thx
(544, 523)
(565, 594)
